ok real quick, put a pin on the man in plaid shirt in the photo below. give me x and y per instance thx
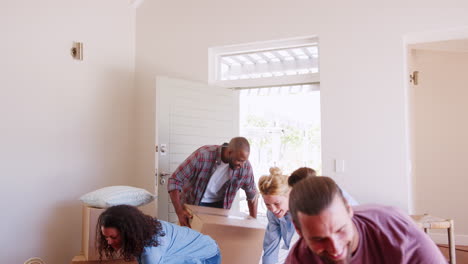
(211, 176)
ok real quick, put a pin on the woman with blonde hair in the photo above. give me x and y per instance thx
(275, 190)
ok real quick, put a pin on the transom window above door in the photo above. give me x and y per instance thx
(269, 63)
(262, 64)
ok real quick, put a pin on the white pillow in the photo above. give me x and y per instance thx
(115, 195)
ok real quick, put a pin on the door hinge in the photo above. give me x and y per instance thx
(414, 77)
(163, 149)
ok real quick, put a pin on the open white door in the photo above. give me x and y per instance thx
(189, 115)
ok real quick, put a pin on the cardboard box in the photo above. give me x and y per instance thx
(88, 238)
(81, 259)
(239, 236)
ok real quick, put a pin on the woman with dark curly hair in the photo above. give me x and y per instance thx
(124, 230)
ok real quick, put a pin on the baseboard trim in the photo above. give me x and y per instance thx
(460, 240)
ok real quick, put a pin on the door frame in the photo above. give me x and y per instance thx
(411, 39)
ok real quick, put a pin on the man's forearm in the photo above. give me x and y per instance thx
(253, 207)
(182, 213)
(175, 198)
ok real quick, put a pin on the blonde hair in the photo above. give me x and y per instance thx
(274, 184)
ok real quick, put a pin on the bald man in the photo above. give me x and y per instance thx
(211, 176)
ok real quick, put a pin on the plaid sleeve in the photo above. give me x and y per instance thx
(183, 173)
(249, 182)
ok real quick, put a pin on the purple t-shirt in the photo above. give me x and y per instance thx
(386, 236)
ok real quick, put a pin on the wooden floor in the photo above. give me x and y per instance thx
(461, 252)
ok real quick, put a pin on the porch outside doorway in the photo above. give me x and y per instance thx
(282, 125)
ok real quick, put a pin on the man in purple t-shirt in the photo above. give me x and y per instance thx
(332, 232)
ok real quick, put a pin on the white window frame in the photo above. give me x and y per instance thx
(215, 53)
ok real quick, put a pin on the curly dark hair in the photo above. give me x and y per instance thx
(137, 230)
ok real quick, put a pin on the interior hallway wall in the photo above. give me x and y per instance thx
(66, 125)
(362, 67)
(439, 142)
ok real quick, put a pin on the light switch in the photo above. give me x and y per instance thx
(339, 165)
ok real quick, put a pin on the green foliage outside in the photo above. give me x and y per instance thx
(293, 140)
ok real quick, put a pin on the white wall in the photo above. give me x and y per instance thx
(439, 141)
(362, 64)
(66, 126)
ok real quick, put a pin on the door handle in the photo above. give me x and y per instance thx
(162, 179)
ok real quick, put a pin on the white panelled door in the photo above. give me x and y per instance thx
(189, 115)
